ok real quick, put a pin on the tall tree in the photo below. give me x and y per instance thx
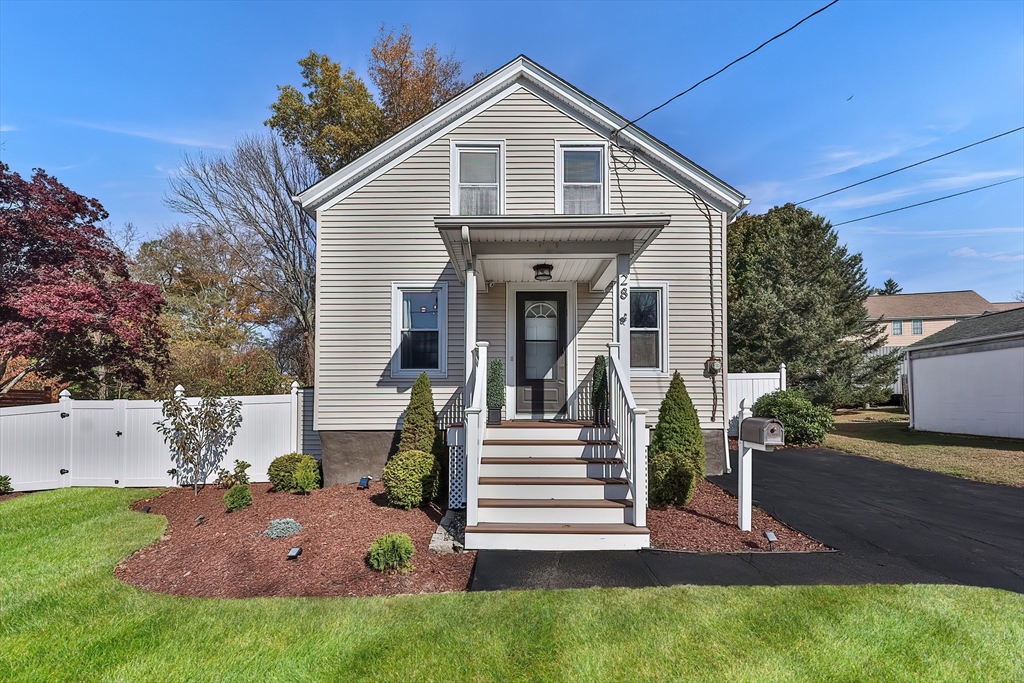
(337, 119)
(797, 296)
(243, 198)
(889, 287)
(68, 308)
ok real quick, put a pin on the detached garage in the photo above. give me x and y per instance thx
(969, 377)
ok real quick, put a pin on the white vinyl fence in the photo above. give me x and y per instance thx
(750, 387)
(115, 443)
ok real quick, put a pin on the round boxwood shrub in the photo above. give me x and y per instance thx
(672, 479)
(678, 429)
(804, 422)
(238, 497)
(282, 472)
(306, 476)
(410, 478)
(391, 552)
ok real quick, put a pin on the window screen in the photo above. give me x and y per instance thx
(582, 181)
(478, 182)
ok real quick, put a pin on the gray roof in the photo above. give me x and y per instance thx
(988, 325)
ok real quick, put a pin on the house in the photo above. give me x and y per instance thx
(969, 378)
(909, 318)
(525, 221)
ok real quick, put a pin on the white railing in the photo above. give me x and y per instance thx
(476, 425)
(630, 427)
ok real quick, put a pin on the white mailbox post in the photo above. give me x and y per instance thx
(759, 433)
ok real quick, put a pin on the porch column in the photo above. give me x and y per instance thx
(471, 298)
(622, 312)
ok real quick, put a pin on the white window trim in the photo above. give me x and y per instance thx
(396, 328)
(915, 325)
(894, 332)
(560, 147)
(453, 191)
(661, 371)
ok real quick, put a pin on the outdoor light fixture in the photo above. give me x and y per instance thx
(364, 483)
(145, 509)
(200, 519)
(770, 535)
(294, 553)
(542, 272)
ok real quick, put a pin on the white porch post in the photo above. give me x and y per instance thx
(621, 293)
(471, 304)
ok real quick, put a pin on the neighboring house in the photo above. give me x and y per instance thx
(909, 318)
(969, 378)
(525, 221)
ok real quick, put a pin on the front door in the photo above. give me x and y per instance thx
(540, 347)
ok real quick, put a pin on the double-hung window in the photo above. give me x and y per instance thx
(580, 171)
(897, 328)
(647, 338)
(419, 329)
(477, 178)
(917, 327)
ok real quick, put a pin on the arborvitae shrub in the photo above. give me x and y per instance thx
(672, 479)
(678, 429)
(804, 422)
(391, 552)
(306, 476)
(281, 472)
(238, 496)
(419, 429)
(410, 478)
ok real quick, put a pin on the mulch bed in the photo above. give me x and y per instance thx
(709, 524)
(227, 555)
(13, 495)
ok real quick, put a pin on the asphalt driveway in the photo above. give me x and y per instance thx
(888, 523)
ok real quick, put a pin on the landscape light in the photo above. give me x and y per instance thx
(364, 483)
(294, 553)
(770, 535)
(145, 509)
(200, 519)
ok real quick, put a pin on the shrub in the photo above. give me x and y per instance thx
(5, 484)
(678, 429)
(672, 479)
(307, 475)
(238, 496)
(410, 478)
(599, 394)
(279, 528)
(228, 480)
(391, 552)
(198, 435)
(281, 472)
(496, 383)
(419, 429)
(804, 422)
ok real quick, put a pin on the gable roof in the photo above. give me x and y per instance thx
(1004, 323)
(927, 305)
(521, 72)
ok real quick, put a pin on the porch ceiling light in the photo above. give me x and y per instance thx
(542, 272)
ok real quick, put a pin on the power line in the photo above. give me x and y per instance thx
(930, 201)
(959, 149)
(735, 61)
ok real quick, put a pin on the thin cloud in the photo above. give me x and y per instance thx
(7, 128)
(964, 252)
(968, 252)
(938, 234)
(950, 183)
(167, 137)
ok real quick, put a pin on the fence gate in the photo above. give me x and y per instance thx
(97, 443)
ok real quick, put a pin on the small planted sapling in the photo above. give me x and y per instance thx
(198, 435)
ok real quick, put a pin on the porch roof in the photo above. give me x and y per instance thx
(579, 248)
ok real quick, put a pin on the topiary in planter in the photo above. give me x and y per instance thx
(599, 394)
(804, 422)
(678, 429)
(280, 528)
(238, 497)
(410, 478)
(391, 552)
(672, 480)
(306, 476)
(495, 390)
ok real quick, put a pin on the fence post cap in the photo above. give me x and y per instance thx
(295, 386)
(179, 390)
(65, 394)
(782, 366)
(614, 345)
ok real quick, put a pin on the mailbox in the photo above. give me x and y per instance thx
(762, 431)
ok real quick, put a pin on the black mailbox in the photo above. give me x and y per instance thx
(762, 431)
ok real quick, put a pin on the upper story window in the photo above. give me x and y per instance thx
(477, 174)
(897, 328)
(581, 178)
(917, 327)
(647, 329)
(419, 325)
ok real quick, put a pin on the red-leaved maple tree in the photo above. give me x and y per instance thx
(68, 308)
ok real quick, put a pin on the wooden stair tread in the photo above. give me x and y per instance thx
(509, 460)
(553, 503)
(547, 442)
(553, 481)
(517, 528)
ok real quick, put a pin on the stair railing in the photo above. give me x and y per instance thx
(629, 425)
(476, 425)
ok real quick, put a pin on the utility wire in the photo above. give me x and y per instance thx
(930, 201)
(959, 149)
(735, 61)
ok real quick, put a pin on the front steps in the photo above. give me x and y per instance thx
(553, 486)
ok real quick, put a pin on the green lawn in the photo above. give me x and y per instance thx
(63, 616)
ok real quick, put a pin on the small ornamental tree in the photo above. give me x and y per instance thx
(199, 436)
(419, 429)
(67, 305)
(678, 429)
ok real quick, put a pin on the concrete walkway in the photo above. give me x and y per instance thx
(890, 524)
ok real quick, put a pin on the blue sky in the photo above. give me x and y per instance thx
(107, 97)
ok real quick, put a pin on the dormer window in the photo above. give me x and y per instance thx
(477, 170)
(581, 178)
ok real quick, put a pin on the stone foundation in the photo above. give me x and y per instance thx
(714, 451)
(350, 455)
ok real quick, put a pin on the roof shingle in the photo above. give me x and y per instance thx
(927, 305)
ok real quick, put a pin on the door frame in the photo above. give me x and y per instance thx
(571, 328)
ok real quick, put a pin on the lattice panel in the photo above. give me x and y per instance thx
(456, 477)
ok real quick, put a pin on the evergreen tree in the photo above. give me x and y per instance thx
(678, 431)
(419, 430)
(797, 296)
(890, 287)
